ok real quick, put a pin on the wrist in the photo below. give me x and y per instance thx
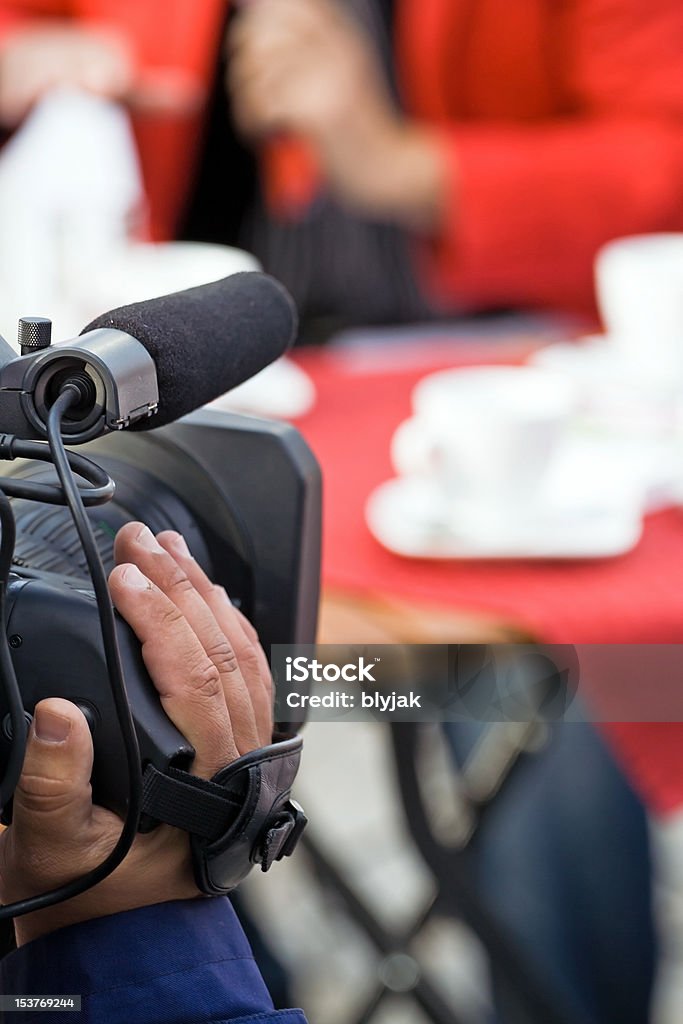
(411, 184)
(387, 167)
(136, 883)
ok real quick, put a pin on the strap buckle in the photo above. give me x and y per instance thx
(281, 836)
(243, 816)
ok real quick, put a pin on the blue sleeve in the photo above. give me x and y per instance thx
(171, 963)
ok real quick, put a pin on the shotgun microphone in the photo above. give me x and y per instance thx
(207, 340)
(145, 365)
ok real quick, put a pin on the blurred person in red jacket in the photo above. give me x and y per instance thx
(446, 155)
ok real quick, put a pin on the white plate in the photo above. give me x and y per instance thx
(282, 391)
(410, 517)
(587, 359)
(596, 365)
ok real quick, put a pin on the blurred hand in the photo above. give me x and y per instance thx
(215, 685)
(303, 66)
(99, 60)
(36, 59)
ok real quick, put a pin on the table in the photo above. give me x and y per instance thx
(361, 401)
(369, 594)
(373, 596)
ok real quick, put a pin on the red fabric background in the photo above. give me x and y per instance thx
(560, 125)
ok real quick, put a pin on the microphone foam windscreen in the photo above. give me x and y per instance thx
(207, 340)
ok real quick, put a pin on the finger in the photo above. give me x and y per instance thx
(248, 74)
(166, 90)
(188, 682)
(18, 92)
(270, 101)
(234, 623)
(268, 19)
(53, 798)
(240, 632)
(137, 544)
(263, 700)
(103, 72)
(265, 42)
(255, 22)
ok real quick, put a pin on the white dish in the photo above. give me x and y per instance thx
(411, 517)
(594, 359)
(487, 429)
(600, 372)
(588, 356)
(508, 394)
(615, 396)
(283, 391)
(145, 270)
(639, 285)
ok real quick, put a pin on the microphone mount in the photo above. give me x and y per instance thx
(114, 374)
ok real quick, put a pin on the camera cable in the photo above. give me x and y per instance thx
(74, 499)
(8, 676)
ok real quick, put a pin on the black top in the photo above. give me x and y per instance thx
(226, 182)
(342, 269)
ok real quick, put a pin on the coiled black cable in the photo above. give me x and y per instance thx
(74, 499)
(100, 488)
(7, 673)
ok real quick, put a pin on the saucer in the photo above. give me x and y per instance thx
(411, 517)
(281, 391)
(605, 378)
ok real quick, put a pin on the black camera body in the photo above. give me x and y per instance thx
(246, 495)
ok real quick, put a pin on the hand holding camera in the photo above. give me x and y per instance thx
(215, 686)
(165, 710)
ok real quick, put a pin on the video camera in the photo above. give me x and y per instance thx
(245, 494)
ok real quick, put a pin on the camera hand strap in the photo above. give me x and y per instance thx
(241, 817)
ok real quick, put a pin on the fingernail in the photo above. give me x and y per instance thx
(134, 579)
(179, 546)
(50, 727)
(146, 539)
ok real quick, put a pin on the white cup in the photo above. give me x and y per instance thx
(639, 284)
(486, 434)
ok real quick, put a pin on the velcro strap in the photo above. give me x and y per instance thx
(185, 801)
(282, 836)
(241, 817)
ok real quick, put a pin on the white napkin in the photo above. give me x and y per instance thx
(70, 185)
(70, 190)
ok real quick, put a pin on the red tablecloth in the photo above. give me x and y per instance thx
(638, 597)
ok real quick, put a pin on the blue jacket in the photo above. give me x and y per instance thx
(171, 963)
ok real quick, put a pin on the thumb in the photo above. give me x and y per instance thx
(53, 796)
